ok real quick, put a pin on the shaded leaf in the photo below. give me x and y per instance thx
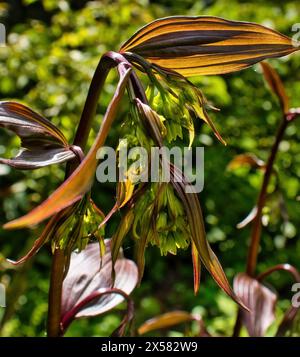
(276, 85)
(206, 45)
(42, 144)
(87, 288)
(82, 178)
(252, 214)
(261, 302)
(289, 321)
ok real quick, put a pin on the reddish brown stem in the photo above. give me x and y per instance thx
(256, 225)
(82, 133)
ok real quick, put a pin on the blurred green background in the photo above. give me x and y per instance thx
(53, 47)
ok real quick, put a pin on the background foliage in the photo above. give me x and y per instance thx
(53, 47)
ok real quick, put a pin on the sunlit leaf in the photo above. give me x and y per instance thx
(89, 275)
(196, 268)
(195, 220)
(196, 223)
(245, 160)
(276, 86)
(261, 302)
(120, 234)
(166, 320)
(206, 45)
(37, 244)
(42, 144)
(82, 178)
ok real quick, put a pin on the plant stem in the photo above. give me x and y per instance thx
(81, 137)
(256, 225)
(55, 292)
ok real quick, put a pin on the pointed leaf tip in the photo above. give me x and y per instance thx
(206, 45)
(81, 180)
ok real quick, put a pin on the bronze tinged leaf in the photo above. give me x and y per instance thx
(276, 86)
(206, 45)
(81, 179)
(42, 144)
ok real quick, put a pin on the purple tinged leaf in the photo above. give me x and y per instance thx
(289, 321)
(261, 302)
(42, 144)
(81, 179)
(90, 273)
(35, 159)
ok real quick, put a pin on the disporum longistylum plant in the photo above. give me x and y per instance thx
(166, 51)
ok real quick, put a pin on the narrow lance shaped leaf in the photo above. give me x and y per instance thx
(200, 245)
(81, 179)
(196, 267)
(196, 223)
(166, 320)
(276, 86)
(206, 45)
(42, 144)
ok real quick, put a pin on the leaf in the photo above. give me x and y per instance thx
(86, 288)
(196, 223)
(206, 45)
(120, 234)
(289, 321)
(35, 159)
(166, 320)
(195, 219)
(82, 178)
(245, 160)
(250, 217)
(196, 268)
(37, 244)
(261, 302)
(276, 86)
(42, 144)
